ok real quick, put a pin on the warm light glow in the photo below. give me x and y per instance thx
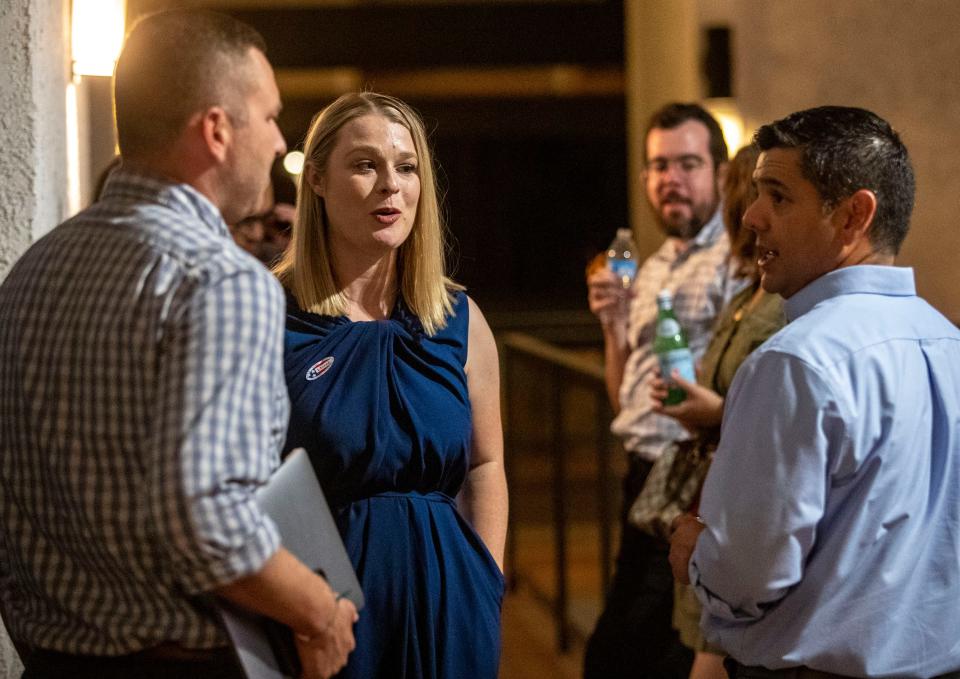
(727, 113)
(73, 151)
(293, 163)
(97, 32)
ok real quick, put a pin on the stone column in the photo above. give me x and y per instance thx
(661, 52)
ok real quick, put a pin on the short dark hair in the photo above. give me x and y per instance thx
(676, 114)
(845, 149)
(173, 64)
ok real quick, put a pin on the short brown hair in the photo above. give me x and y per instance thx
(174, 64)
(675, 114)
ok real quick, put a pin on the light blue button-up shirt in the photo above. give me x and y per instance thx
(833, 537)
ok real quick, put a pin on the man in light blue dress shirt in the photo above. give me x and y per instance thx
(828, 541)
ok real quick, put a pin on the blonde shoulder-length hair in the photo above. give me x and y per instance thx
(305, 268)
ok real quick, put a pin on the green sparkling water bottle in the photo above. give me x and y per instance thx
(670, 346)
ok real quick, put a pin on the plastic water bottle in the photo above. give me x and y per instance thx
(621, 257)
(670, 346)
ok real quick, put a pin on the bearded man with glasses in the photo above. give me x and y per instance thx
(685, 155)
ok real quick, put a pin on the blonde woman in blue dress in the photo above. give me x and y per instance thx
(393, 378)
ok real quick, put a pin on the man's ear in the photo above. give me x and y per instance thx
(857, 213)
(314, 179)
(217, 131)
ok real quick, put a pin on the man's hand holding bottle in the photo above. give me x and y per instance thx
(609, 300)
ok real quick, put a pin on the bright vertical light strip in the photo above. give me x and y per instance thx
(73, 151)
(97, 35)
(733, 132)
(731, 122)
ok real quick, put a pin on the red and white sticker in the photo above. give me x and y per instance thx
(318, 368)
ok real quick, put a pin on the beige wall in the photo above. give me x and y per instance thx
(34, 64)
(899, 59)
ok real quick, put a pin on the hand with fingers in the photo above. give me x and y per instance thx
(701, 409)
(683, 539)
(608, 299)
(325, 654)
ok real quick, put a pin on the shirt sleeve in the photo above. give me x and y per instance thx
(222, 411)
(766, 489)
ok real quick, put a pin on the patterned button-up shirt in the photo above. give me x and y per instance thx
(701, 279)
(142, 402)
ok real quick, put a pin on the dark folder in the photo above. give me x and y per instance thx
(293, 499)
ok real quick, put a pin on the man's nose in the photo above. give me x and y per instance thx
(752, 217)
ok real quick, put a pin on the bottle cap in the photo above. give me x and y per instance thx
(664, 296)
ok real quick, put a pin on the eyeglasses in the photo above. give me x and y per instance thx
(686, 164)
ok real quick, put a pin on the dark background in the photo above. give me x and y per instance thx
(534, 185)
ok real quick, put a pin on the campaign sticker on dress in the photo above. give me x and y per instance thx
(318, 368)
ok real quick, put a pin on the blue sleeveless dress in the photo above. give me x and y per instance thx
(384, 412)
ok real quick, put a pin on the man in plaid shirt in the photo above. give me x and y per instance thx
(141, 390)
(684, 156)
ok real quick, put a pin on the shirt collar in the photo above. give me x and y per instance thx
(891, 281)
(138, 185)
(711, 231)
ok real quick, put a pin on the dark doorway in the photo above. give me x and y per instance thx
(535, 181)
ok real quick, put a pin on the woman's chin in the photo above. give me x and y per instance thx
(391, 237)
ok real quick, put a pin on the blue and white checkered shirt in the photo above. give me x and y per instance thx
(702, 282)
(142, 401)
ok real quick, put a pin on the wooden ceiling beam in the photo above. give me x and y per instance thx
(561, 81)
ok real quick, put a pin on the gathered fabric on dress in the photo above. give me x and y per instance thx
(384, 412)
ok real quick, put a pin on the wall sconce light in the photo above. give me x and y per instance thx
(731, 121)
(718, 74)
(97, 36)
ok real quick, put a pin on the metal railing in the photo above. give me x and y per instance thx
(558, 370)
